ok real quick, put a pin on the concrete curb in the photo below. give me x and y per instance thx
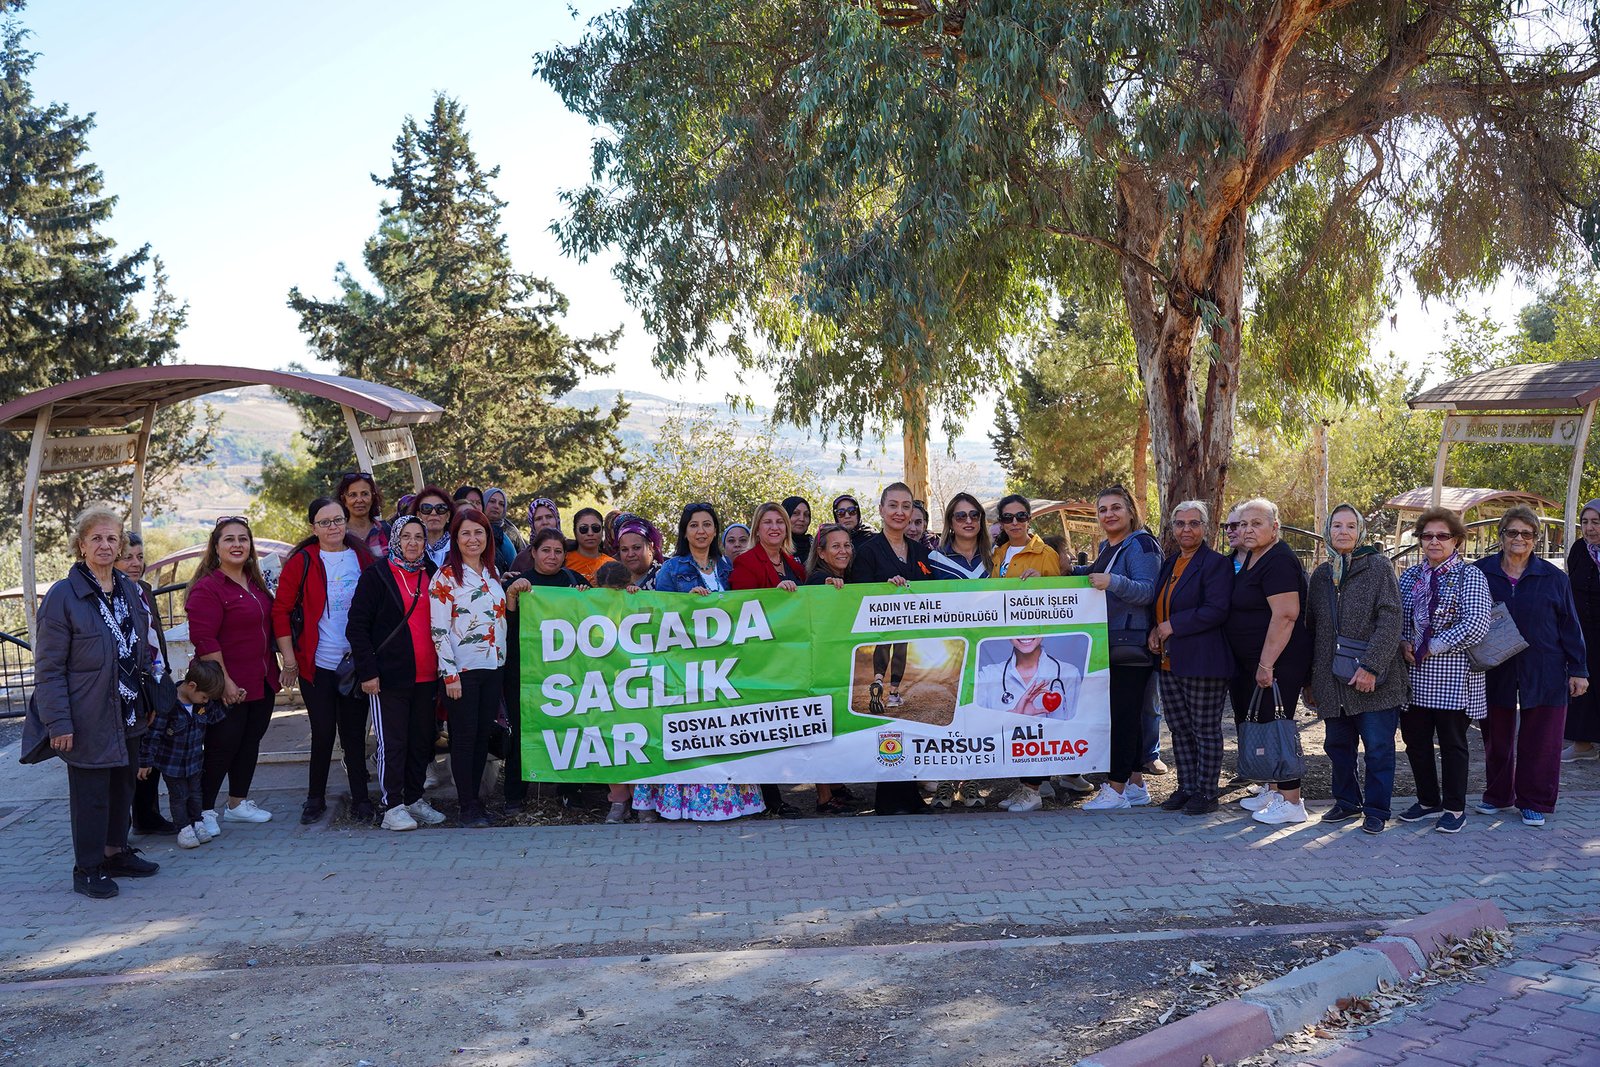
(1239, 1028)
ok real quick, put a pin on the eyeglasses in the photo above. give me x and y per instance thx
(589, 529)
(1436, 537)
(1013, 516)
(329, 524)
(433, 509)
(965, 516)
(223, 520)
(1232, 525)
(847, 511)
(1517, 535)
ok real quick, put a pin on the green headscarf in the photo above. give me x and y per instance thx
(1341, 561)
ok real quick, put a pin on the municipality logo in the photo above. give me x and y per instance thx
(891, 748)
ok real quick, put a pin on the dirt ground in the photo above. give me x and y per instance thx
(936, 1005)
(930, 693)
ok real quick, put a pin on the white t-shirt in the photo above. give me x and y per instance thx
(1011, 554)
(343, 571)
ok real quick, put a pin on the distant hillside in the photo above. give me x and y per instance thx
(255, 422)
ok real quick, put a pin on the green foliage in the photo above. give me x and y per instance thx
(71, 301)
(452, 321)
(1066, 428)
(696, 457)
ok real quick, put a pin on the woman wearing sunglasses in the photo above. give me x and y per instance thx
(358, 492)
(963, 554)
(437, 511)
(589, 530)
(1527, 695)
(1446, 611)
(847, 513)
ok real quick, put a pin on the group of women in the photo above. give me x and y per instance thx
(409, 625)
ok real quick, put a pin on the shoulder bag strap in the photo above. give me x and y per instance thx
(403, 620)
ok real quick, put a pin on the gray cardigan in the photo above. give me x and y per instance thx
(1369, 610)
(75, 673)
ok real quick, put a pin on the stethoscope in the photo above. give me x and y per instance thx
(1056, 685)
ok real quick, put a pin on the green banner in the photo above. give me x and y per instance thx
(937, 680)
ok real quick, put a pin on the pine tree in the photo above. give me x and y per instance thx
(68, 299)
(452, 321)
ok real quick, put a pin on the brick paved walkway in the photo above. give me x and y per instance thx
(1543, 1009)
(592, 890)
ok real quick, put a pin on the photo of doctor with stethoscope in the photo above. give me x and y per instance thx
(1029, 681)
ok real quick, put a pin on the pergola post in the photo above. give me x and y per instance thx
(1438, 468)
(141, 455)
(357, 441)
(1580, 447)
(30, 515)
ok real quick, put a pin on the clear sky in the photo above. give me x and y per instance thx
(239, 139)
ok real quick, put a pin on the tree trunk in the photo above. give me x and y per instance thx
(1319, 496)
(1141, 459)
(914, 438)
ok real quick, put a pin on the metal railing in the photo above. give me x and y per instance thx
(16, 676)
(1409, 555)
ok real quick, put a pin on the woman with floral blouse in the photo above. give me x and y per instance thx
(468, 609)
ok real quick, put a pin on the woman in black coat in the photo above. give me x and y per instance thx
(1583, 570)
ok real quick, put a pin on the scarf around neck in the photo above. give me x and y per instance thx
(394, 545)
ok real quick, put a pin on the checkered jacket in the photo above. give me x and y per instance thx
(1446, 680)
(175, 742)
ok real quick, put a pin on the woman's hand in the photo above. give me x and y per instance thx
(1153, 642)
(630, 589)
(61, 743)
(232, 694)
(518, 587)
(1164, 631)
(1363, 680)
(370, 687)
(144, 774)
(1029, 573)
(453, 689)
(1577, 686)
(288, 678)
(898, 579)
(700, 590)
(1263, 676)
(1406, 652)
(837, 583)
(1101, 581)
(789, 587)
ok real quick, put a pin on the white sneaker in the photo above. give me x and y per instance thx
(212, 824)
(1570, 754)
(617, 814)
(1137, 796)
(1261, 801)
(894, 701)
(247, 812)
(1109, 799)
(398, 818)
(1030, 801)
(1281, 811)
(1047, 789)
(201, 834)
(187, 838)
(424, 813)
(944, 796)
(431, 779)
(1018, 795)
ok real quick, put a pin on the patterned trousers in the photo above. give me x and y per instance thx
(1193, 709)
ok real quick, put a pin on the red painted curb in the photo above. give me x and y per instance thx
(1433, 931)
(1225, 1032)
(1398, 954)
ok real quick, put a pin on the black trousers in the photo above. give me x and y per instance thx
(1418, 728)
(1127, 721)
(516, 790)
(183, 798)
(405, 741)
(470, 719)
(329, 712)
(147, 802)
(232, 748)
(101, 799)
(890, 660)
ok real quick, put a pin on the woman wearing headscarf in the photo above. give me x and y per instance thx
(735, 541)
(507, 540)
(1583, 571)
(1357, 685)
(543, 514)
(397, 663)
(1527, 694)
(799, 512)
(847, 513)
(639, 550)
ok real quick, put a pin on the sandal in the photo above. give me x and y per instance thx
(835, 807)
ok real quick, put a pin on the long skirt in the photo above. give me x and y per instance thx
(699, 803)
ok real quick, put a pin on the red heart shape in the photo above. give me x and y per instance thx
(1052, 701)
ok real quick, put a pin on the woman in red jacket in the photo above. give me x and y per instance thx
(770, 564)
(309, 617)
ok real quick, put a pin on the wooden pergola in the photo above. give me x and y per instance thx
(126, 398)
(1550, 404)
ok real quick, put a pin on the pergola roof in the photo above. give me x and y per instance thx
(1462, 501)
(119, 397)
(1520, 387)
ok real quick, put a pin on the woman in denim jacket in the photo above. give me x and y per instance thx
(1126, 571)
(697, 564)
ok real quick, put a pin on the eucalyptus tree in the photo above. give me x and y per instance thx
(769, 168)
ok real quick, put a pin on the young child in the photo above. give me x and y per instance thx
(612, 575)
(174, 745)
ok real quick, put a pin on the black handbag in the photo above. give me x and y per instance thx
(345, 672)
(1348, 652)
(1270, 751)
(297, 613)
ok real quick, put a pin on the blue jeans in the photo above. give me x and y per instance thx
(1375, 731)
(1150, 721)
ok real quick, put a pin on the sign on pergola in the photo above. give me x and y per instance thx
(1551, 404)
(132, 397)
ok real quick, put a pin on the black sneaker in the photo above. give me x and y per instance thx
(1340, 813)
(363, 811)
(93, 883)
(475, 819)
(312, 810)
(155, 829)
(1374, 825)
(1417, 812)
(128, 864)
(1176, 801)
(1450, 822)
(1199, 805)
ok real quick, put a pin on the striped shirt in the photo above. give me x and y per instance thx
(1446, 680)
